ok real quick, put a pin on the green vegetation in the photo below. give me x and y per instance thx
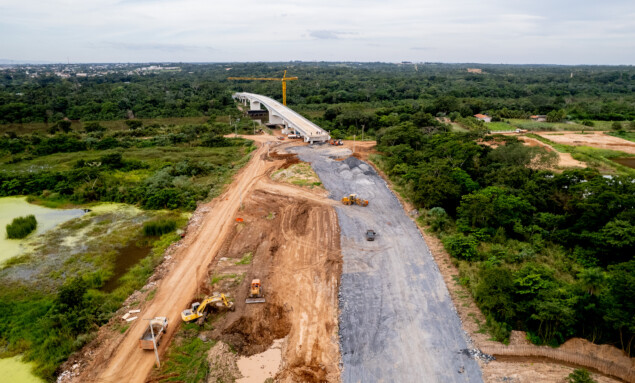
(59, 308)
(173, 169)
(246, 259)
(547, 253)
(159, 227)
(595, 157)
(21, 227)
(187, 357)
(580, 376)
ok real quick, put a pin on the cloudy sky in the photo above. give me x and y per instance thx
(484, 31)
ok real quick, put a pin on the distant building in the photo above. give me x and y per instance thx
(483, 117)
(539, 118)
(474, 70)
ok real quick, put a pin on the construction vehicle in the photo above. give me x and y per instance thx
(284, 80)
(352, 199)
(256, 293)
(370, 235)
(335, 142)
(199, 310)
(157, 327)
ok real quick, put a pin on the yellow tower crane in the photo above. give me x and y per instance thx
(284, 80)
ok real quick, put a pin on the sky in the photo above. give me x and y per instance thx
(474, 31)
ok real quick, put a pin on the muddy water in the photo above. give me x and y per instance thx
(626, 161)
(13, 207)
(258, 368)
(126, 258)
(15, 371)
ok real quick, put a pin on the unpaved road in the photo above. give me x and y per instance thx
(122, 360)
(397, 321)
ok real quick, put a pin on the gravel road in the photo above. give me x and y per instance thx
(397, 321)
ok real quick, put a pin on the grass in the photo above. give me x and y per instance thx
(77, 126)
(499, 126)
(246, 259)
(594, 157)
(159, 227)
(186, 360)
(21, 227)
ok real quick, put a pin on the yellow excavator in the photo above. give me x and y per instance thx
(352, 199)
(199, 310)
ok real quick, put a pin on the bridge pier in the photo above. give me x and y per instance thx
(254, 105)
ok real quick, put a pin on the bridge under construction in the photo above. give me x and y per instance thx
(283, 115)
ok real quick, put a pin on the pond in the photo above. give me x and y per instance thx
(15, 370)
(626, 161)
(47, 218)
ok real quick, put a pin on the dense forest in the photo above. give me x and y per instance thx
(582, 92)
(547, 252)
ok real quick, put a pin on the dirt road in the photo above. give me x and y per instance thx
(122, 360)
(397, 321)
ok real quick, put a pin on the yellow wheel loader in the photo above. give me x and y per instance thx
(256, 293)
(352, 199)
(199, 310)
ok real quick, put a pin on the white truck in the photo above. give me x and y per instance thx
(159, 326)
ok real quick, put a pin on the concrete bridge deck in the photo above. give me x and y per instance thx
(280, 114)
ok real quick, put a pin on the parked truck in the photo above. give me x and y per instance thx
(159, 326)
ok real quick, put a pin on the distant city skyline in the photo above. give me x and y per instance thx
(455, 31)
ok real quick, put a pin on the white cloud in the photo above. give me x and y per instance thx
(538, 31)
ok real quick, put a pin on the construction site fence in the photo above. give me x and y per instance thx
(623, 371)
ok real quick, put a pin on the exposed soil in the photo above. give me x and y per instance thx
(594, 139)
(292, 234)
(295, 247)
(565, 160)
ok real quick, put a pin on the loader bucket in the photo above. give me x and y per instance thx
(255, 300)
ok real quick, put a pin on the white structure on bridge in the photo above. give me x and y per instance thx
(282, 115)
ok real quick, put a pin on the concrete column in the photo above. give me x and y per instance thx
(275, 119)
(254, 105)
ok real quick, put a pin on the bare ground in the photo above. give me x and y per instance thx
(295, 254)
(594, 139)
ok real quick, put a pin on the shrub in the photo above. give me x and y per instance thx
(134, 124)
(93, 127)
(21, 227)
(580, 376)
(461, 246)
(159, 227)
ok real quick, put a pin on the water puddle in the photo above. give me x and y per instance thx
(258, 368)
(14, 370)
(626, 161)
(47, 218)
(127, 257)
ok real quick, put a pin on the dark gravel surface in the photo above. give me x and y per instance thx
(397, 321)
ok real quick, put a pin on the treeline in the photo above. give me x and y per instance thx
(96, 174)
(548, 253)
(583, 92)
